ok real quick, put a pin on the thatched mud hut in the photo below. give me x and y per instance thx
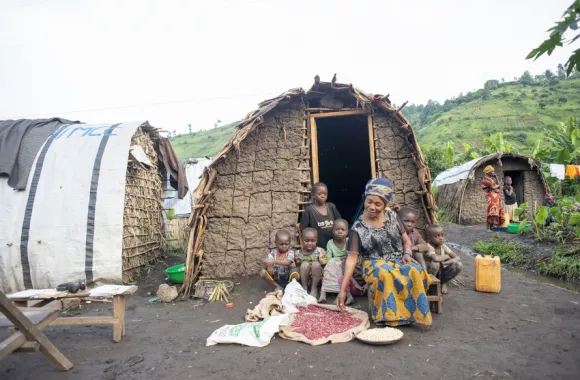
(260, 181)
(91, 209)
(459, 188)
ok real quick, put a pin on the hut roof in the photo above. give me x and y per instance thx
(467, 170)
(364, 101)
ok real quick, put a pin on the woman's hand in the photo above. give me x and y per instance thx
(340, 300)
(407, 259)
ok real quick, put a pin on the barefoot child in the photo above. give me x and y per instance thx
(444, 263)
(418, 245)
(320, 215)
(510, 201)
(310, 259)
(280, 266)
(335, 251)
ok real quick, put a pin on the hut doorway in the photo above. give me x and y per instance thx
(342, 158)
(517, 183)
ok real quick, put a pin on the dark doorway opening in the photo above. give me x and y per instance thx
(517, 183)
(344, 162)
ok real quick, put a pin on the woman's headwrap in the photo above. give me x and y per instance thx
(381, 187)
(488, 169)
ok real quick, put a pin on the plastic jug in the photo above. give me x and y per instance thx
(487, 274)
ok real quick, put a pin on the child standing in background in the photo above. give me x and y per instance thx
(280, 265)
(320, 215)
(510, 201)
(310, 259)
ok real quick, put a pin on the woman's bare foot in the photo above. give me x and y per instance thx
(349, 299)
(444, 289)
(322, 298)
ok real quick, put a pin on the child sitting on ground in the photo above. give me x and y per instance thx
(280, 267)
(418, 245)
(443, 263)
(334, 269)
(310, 259)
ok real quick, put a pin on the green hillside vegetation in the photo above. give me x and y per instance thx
(519, 111)
(202, 143)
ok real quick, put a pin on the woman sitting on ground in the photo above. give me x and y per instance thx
(396, 283)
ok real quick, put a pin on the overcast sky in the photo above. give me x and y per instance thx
(193, 62)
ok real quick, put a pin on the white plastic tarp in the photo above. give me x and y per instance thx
(68, 223)
(193, 171)
(456, 173)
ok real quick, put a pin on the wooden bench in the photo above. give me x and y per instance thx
(30, 322)
(117, 320)
(435, 300)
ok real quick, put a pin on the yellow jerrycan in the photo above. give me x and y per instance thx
(487, 274)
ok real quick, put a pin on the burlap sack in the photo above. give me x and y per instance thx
(332, 271)
(287, 333)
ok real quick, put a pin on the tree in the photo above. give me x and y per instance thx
(491, 84)
(571, 18)
(189, 127)
(561, 71)
(548, 74)
(526, 78)
(539, 78)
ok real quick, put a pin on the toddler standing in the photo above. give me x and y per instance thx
(310, 259)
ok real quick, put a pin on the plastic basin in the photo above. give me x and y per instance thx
(176, 273)
(513, 228)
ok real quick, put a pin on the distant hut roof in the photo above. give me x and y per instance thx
(467, 170)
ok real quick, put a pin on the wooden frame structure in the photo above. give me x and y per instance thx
(30, 323)
(314, 138)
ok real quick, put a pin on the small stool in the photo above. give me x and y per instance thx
(435, 300)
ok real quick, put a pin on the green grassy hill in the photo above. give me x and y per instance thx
(204, 143)
(519, 112)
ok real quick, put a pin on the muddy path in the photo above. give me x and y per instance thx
(531, 330)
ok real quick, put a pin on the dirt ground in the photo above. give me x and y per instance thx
(531, 330)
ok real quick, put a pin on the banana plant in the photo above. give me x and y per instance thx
(564, 141)
(496, 144)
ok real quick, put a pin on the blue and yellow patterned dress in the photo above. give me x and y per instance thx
(397, 290)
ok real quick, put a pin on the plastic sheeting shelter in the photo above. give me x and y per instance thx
(87, 212)
(459, 188)
(193, 171)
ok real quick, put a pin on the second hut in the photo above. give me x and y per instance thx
(459, 188)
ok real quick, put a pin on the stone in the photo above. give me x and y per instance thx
(70, 303)
(166, 293)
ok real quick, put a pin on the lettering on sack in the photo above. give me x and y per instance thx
(84, 131)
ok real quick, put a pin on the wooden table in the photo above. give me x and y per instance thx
(117, 320)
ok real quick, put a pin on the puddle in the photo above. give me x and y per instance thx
(575, 287)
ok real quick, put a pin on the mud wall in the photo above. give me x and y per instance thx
(255, 195)
(533, 189)
(474, 204)
(396, 161)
